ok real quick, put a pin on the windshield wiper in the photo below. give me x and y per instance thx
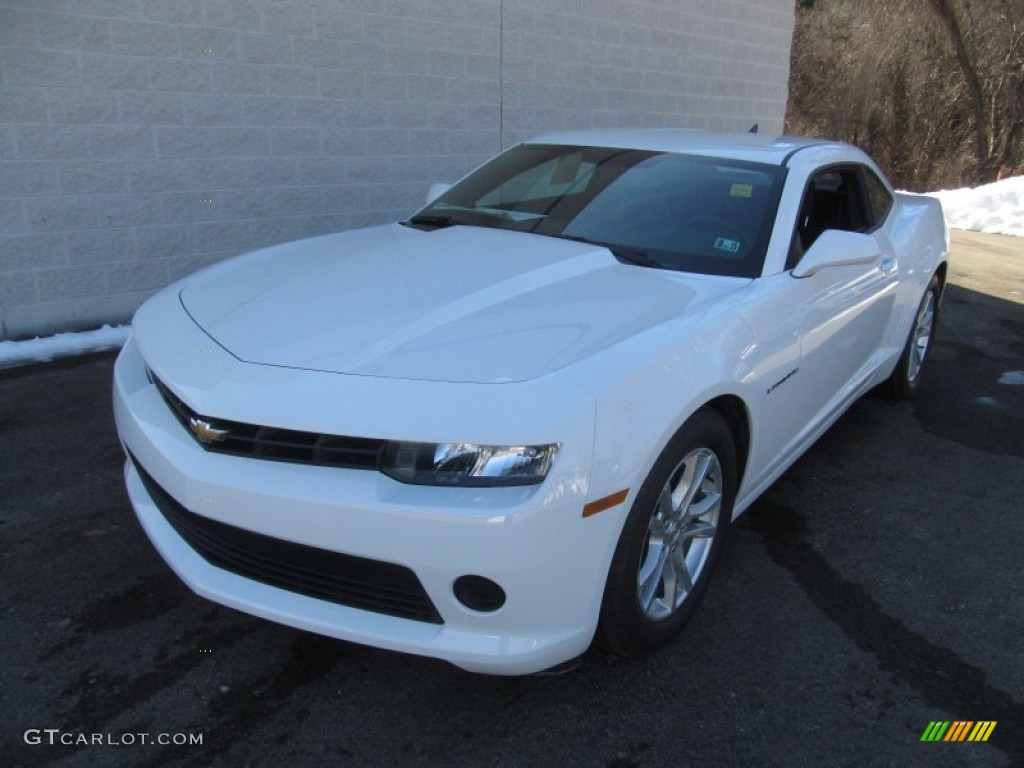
(621, 252)
(432, 220)
(441, 220)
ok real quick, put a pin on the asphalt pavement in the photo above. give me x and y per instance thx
(875, 588)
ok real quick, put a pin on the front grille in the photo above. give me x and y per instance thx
(357, 582)
(280, 444)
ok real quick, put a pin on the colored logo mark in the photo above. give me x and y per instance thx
(205, 432)
(958, 730)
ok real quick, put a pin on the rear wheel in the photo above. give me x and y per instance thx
(671, 538)
(906, 379)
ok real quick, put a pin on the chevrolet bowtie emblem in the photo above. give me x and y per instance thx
(205, 432)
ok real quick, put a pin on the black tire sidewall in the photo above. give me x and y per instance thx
(624, 629)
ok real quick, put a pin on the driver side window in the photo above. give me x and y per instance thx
(833, 200)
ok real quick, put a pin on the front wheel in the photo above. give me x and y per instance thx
(671, 538)
(906, 379)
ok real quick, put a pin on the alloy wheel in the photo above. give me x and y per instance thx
(922, 337)
(680, 534)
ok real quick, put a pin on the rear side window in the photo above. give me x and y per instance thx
(879, 198)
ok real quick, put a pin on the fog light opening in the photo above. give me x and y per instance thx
(478, 593)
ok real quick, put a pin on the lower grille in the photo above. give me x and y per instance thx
(357, 582)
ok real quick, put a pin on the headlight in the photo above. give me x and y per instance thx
(465, 464)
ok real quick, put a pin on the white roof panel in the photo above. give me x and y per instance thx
(757, 147)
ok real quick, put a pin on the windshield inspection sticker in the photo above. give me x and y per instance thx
(725, 244)
(741, 190)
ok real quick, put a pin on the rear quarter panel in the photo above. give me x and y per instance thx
(920, 239)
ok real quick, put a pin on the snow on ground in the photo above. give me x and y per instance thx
(62, 345)
(997, 207)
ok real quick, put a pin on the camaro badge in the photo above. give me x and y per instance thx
(205, 432)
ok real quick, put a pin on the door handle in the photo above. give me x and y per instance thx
(889, 265)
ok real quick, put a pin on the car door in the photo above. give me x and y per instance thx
(826, 328)
(844, 309)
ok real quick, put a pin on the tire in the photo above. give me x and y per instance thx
(671, 539)
(906, 378)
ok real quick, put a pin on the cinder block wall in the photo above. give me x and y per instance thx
(143, 139)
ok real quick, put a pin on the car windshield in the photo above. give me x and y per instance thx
(657, 209)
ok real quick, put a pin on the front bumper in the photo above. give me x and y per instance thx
(532, 540)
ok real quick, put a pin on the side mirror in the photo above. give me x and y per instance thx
(837, 248)
(437, 189)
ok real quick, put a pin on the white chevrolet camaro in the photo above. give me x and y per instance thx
(526, 416)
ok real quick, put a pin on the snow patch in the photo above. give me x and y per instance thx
(62, 345)
(997, 207)
(1013, 378)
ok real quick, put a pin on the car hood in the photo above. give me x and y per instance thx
(462, 304)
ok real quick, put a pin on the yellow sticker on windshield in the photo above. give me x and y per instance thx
(741, 190)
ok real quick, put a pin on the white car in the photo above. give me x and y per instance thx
(527, 415)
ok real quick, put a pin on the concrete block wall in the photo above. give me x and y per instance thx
(143, 139)
(721, 65)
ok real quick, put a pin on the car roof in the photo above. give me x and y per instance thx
(757, 147)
